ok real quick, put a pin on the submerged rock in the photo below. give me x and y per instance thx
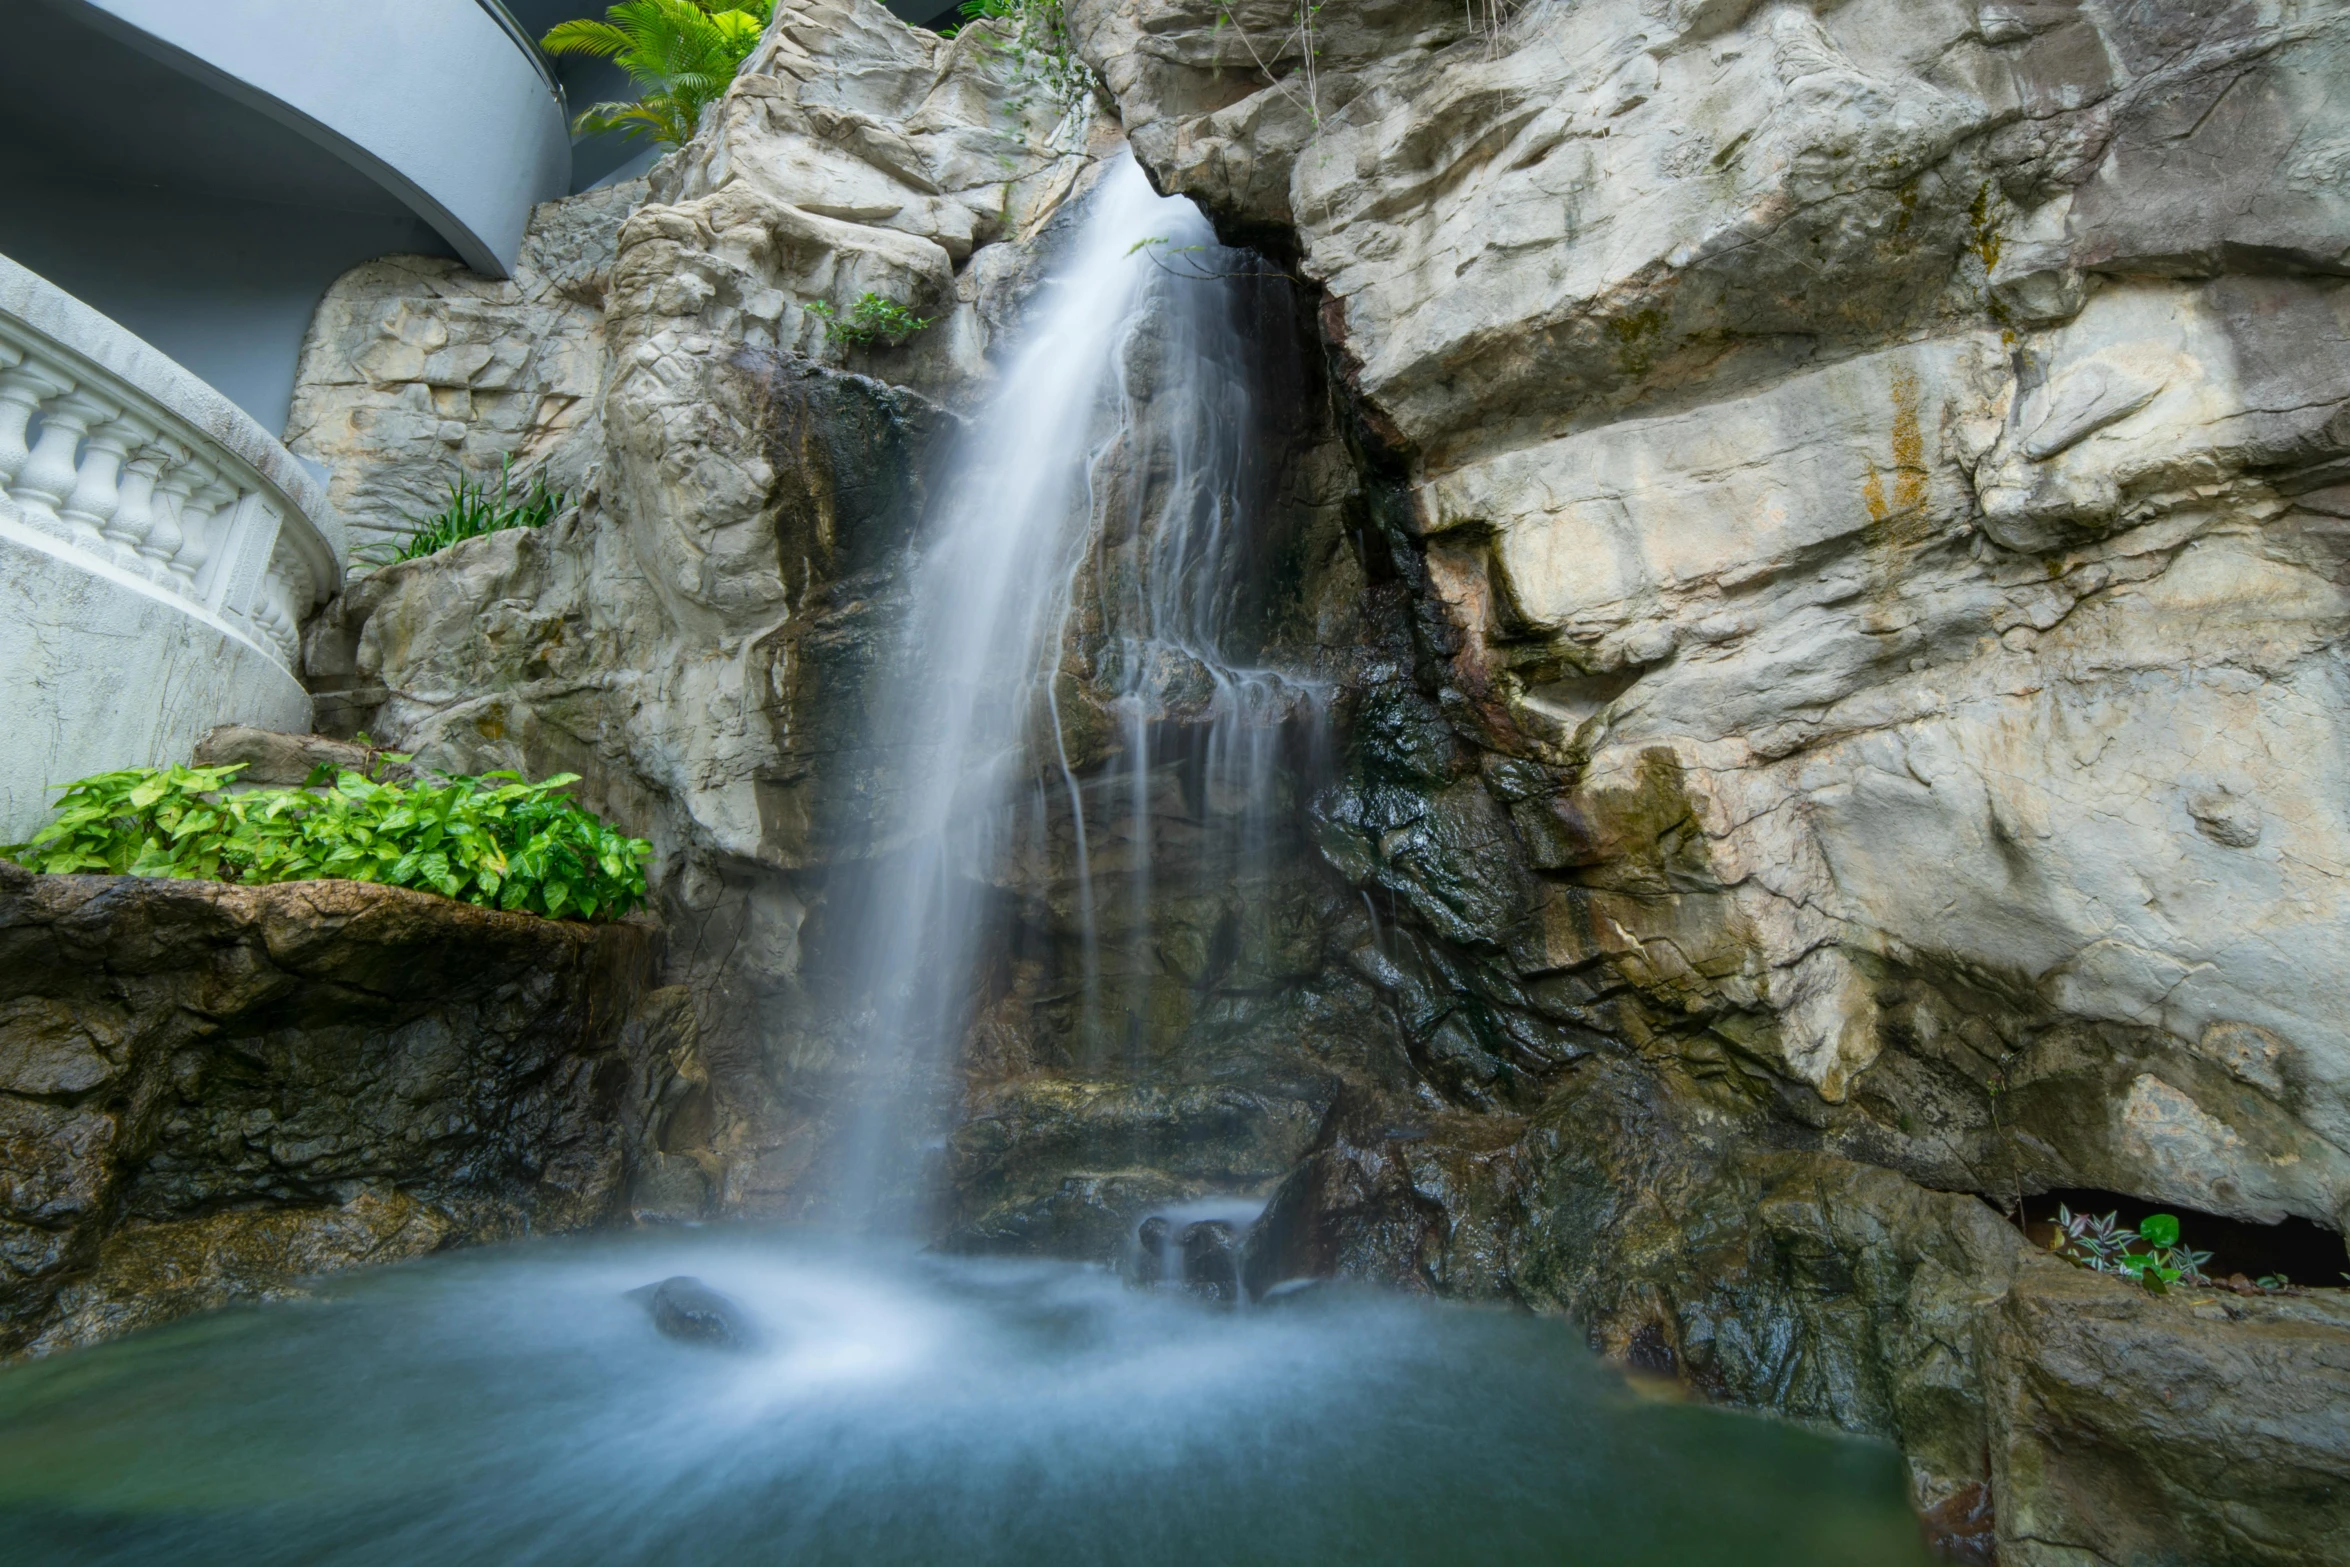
(1150, 1252)
(686, 1309)
(1211, 1260)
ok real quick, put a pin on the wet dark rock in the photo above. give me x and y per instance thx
(1150, 1251)
(208, 1092)
(686, 1309)
(1211, 1260)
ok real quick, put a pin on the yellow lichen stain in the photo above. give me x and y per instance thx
(1899, 517)
(1985, 236)
(491, 725)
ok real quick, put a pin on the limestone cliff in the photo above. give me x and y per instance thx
(1902, 444)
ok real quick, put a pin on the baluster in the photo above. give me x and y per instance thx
(134, 511)
(96, 489)
(164, 537)
(10, 415)
(47, 476)
(274, 619)
(199, 539)
(23, 388)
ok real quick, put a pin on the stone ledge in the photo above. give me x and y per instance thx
(210, 1091)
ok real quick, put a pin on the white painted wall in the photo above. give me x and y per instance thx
(432, 98)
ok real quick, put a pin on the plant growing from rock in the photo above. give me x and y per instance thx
(680, 53)
(495, 840)
(2150, 1254)
(1039, 45)
(873, 321)
(471, 512)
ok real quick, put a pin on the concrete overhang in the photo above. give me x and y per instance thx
(445, 104)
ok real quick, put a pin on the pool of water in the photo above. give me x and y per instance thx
(514, 1406)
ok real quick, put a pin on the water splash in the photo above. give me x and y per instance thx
(511, 1407)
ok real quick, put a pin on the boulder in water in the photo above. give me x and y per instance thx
(1150, 1252)
(1211, 1261)
(686, 1309)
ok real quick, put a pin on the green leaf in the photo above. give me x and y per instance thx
(518, 845)
(2161, 1229)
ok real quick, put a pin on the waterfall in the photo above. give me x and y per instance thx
(1110, 458)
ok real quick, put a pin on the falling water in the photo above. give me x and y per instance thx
(1114, 453)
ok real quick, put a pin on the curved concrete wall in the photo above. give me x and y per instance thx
(108, 658)
(437, 100)
(168, 673)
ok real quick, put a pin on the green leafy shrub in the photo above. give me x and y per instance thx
(494, 840)
(471, 512)
(2151, 1254)
(680, 53)
(872, 320)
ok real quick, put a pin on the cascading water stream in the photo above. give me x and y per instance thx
(1121, 419)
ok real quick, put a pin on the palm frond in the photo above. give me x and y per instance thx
(600, 39)
(680, 53)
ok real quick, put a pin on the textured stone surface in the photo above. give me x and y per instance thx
(2198, 1427)
(1861, 690)
(417, 371)
(207, 1092)
(1827, 535)
(1916, 430)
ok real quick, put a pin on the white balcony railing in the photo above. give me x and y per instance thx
(114, 457)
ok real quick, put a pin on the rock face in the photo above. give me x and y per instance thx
(1875, 437)
(1865, 486)
(1826, 526)
(700, 640)
(207, 1092)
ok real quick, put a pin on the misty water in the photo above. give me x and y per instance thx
(513, 1407)
(516, 1406)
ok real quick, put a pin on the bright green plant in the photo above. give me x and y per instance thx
(494, 840)
(872, 320)
(471, 512)
(1037, 41)
(680, 53)
(2151, 1254)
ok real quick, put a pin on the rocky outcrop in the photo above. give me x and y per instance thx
(417, 372)
(1873, 437)
(700, 638)
(1825, 528)
(1862, 486)
(208, 1092)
